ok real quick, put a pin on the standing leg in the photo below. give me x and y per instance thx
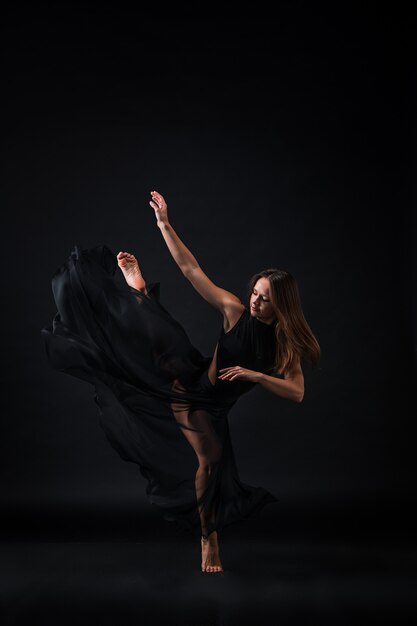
(207, 448)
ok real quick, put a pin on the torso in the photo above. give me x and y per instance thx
(231, 317)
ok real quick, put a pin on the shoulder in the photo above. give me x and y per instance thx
(233, 311)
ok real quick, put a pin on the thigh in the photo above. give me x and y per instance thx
(198, 429)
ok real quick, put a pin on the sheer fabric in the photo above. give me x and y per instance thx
(156, 404)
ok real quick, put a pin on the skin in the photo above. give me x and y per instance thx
(131, 271)
(260, 307)
(290, 388)
(260, 301)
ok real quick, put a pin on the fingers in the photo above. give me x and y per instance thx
(157, 198)
(229, 373)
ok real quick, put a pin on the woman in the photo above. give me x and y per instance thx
(162, 404)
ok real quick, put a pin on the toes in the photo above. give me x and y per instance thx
(212, 568)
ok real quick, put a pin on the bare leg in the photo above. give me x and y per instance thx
(208, 450)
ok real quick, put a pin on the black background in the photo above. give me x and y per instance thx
(282, 142)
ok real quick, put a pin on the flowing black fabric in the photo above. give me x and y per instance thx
(156, 403)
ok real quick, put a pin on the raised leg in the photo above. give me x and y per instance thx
(131, 271)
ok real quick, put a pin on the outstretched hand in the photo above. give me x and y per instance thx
(239, 373)
(160, 207)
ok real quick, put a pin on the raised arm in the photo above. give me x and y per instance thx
(219, 298)
(180, 253)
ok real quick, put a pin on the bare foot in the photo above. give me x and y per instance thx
(210, 557)
(130, 268)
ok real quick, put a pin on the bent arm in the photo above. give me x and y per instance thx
(291, 388)
(281, 387)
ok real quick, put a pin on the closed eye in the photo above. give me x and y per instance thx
(264, 299)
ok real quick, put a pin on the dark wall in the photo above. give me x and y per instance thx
(281, 143)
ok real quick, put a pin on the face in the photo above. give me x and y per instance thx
(260, 301)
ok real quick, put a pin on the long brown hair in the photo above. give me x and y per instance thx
(293, 334)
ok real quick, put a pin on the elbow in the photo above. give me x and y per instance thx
(299, 397)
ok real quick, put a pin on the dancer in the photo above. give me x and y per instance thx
(162, 404)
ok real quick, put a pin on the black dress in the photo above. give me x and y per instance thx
(156, 403)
